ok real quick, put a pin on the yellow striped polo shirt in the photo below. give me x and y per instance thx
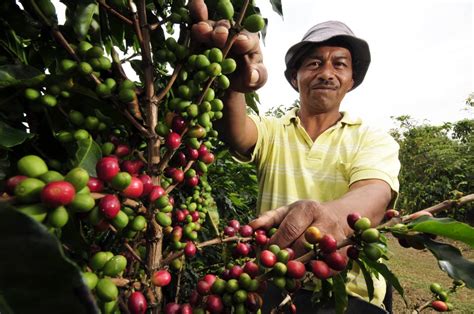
(291, 167)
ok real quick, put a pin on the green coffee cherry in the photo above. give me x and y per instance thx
(225, 9)
(228, 66)
(32, 94)
(254, 23)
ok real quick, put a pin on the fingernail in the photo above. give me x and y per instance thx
(254, 76)
(221, 30)
(242, 37)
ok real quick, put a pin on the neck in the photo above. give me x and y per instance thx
(316, 123)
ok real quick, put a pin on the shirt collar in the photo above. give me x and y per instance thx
(346, 117)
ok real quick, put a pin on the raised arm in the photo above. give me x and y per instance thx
(236, 128)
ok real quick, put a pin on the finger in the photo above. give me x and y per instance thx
(292, 227)
(246, 42)
(299, 246)
(198, 10)
(219, 35)
(270, 218)
(202, 31)
(256, 76)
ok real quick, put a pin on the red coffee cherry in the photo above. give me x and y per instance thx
(336, 261)
(173, 141)
(172, 308)
(268, 258)
(234, 224)
(137, 303)
(439, 306)
(296, 269)
(161, 278)
(57, 193)
(320, 269)
(246, 231)
(328, 244)
(109, 206)
(229, 231)
(12, 183)
(190, 249)
(147, 184)
(95, 185)
(203, 287)
(214, 304)
(352, 218)
(251, 268)
(134, 189)
(107, 168)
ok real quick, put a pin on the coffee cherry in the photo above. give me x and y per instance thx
(252, 269)
(439, 306)
(137, 303)
(173, 141)
(234, 223)
(190, 249)
(203, 287)
(229, 231)
(133, 167)
(296, 269)
(12, 182)
(58, 193)
(268, 258)
(115, 266)
(95, 185)
(214, 304)
(109, 206)
(121, 181)
(32, 166)
(313, 235)
(242, 249)
(328, 244)
(90, 279)
(58, 217)
(370, 235)
(106, 290)
(161, 278)
(107, 168)
(372, 251)
(134, 189)
(261, 239)
(352, 218)
(390, 213)
(172, 308)
(155, 193)
(362, 224)
(436, 288)
(336, 260)
(320, 269)
(254, 23)
(353, 252)
(178, 124)
(29, 190)
(246, 231)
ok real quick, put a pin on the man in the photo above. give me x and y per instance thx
(317, 164)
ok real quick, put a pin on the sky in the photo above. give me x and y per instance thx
(422, 55)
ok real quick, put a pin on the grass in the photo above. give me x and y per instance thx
(416, 270)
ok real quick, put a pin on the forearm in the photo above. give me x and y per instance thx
(235, 127)
(369, 198)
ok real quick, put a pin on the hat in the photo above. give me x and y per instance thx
(322, 32)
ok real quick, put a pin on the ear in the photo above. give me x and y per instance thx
(352, 84)
(294, 80)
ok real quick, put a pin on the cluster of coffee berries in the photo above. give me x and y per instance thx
(441, 296)
(367, 239)
(327, 259)
(82, 127)
(46, 195)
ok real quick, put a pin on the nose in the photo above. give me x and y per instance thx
(326, 72)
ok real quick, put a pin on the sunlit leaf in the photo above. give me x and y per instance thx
(368, 279)
(276, 6)
(445, 227)
(83, 18)
(87, 155)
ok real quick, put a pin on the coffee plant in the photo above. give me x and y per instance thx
(106, 204)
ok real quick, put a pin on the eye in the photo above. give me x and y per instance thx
(313, 64)
(340, 64)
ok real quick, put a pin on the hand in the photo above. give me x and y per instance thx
(294, 219)
(251, 73)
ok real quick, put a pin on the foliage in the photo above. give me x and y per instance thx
(437, 163)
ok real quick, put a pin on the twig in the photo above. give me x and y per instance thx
(180, 253)
(120, 282)
(114, 12)
(168, 86)
(172, 186)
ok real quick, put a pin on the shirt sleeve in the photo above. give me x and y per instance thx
(377, 158)
(264, 133)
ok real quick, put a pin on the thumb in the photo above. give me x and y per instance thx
(270, 218)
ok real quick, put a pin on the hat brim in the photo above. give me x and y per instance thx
(359, 49)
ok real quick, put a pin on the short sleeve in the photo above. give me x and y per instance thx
(264, 134)
(377, 158)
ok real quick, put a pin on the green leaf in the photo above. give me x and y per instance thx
(83, 18)
(368, 279)
(213, 214)
(276, 6)
(35, 275)
(451, 261)
(16, 74)
(445, 227)
(340, 294)
(10, 137)
(87, 155)
(252, 99)
(388, 275)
